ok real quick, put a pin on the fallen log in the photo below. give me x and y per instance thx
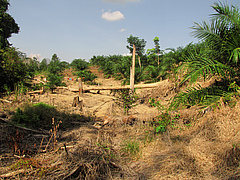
(62, 87)
(98, 88)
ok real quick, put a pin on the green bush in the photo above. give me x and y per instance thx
(54, 76)
(79, 64)
(86, 75)
(39, 116)
(164, 119)
(126, 99)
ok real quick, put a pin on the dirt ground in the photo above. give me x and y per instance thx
(111, 145)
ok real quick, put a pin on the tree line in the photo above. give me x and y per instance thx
(216, 55)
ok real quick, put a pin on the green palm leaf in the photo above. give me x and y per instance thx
(235, 55)
(226, 13)
(197, 66)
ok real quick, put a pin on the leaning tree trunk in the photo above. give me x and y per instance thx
(139, 61)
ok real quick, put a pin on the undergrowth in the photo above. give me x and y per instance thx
(39, 116)
(126, 99)
(164, 119)
(130, 148)
(208, 97)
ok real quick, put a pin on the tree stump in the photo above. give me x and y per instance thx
(77, 102)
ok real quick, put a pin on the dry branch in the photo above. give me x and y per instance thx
(61, 87)
(14, 173)
(23, 128)
(3, 100)
(36, 92)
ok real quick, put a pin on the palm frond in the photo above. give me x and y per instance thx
(209, 97)
(197, 66)
(235, 55)
(211, 32)
(227, 13)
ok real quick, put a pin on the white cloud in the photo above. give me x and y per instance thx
(120, 1)
(121, 30)
(38, 56)
(128, 54)
(112, 16)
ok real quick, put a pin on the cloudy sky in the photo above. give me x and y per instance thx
(75, 29)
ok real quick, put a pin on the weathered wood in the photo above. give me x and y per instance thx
(14, 173)
(140, 86)
(37, 92)
(3, 100)
(77, 102)
(80, 87)
(80, 105)
(132, 70)
(139, 61)
(60, 87)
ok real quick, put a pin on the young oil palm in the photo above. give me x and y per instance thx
(219, 55)
(222, 43)
(222, 34)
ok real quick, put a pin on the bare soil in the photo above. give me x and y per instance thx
(111, 145)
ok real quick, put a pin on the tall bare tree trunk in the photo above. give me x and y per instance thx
(132, 69)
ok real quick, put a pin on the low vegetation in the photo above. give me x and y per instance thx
(39, 116)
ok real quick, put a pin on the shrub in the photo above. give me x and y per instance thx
(39, 116)
(86, 75)
(126, 99)
(164, 119)
(79, 64)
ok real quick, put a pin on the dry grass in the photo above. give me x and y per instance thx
(200, 146)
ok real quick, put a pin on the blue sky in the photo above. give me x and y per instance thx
(75, 29)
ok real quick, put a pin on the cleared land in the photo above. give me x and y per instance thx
(106, 144)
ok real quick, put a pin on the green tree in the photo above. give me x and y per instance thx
(222, 40)
(79, 64)
(65, 64)
(13, 69)
(32, 66)
(43, 65)
(8, 26)
(156, 50)
(140, 45)
(54, 76)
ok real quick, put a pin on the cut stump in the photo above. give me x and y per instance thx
(77, 102)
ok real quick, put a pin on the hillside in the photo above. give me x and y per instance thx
(106, 144)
